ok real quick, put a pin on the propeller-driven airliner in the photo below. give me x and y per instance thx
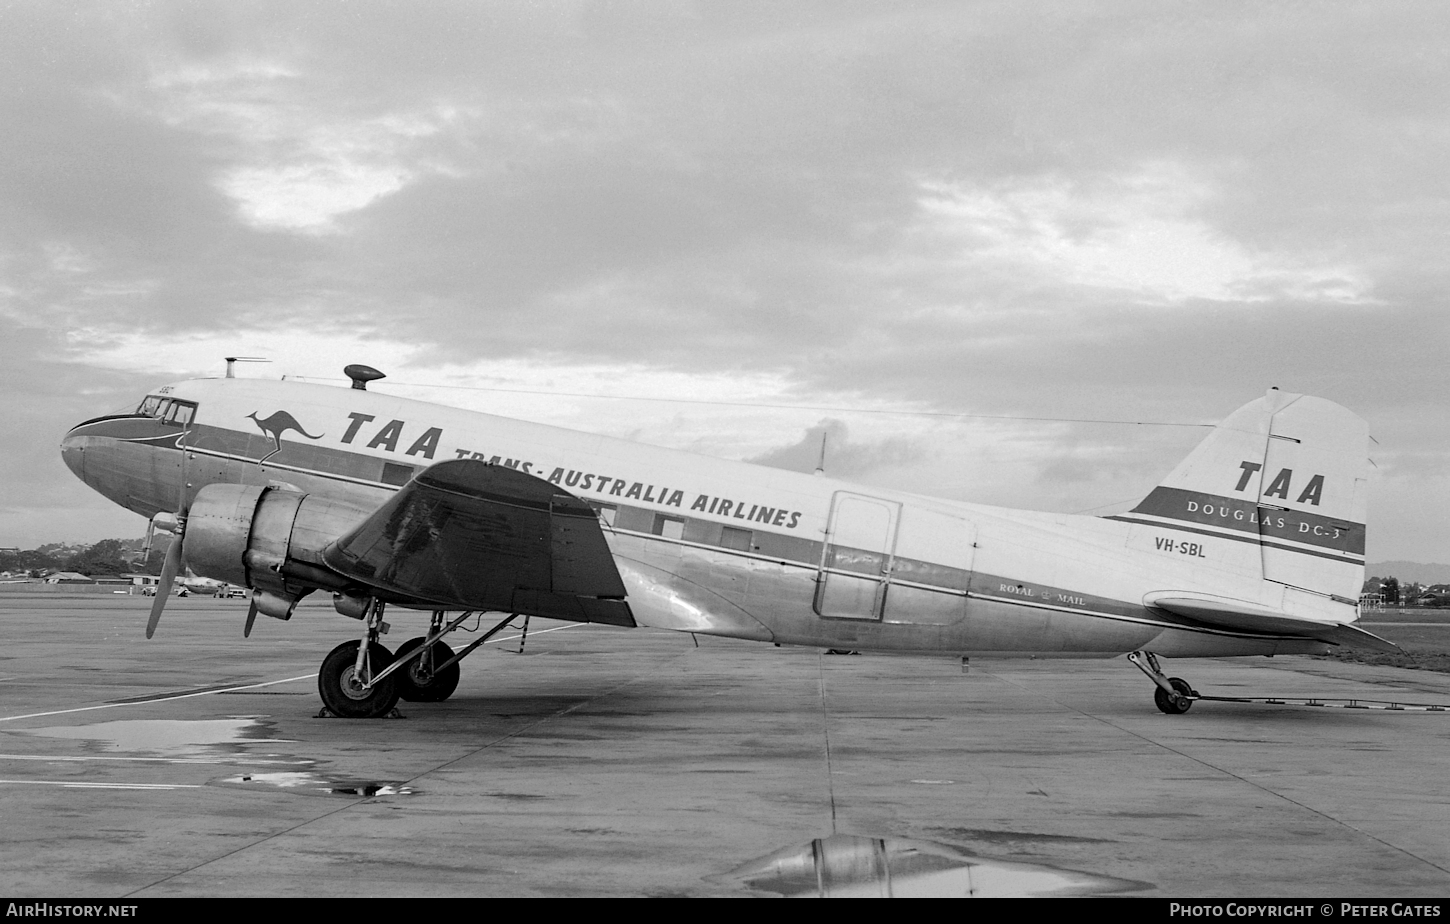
(1253, 545)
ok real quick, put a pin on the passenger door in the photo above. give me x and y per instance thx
(857, 555)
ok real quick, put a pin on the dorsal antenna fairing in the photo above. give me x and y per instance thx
(361, 375)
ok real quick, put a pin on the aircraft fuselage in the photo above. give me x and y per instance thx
(714, 546)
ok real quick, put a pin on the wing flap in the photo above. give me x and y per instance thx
(466, 534)
(1244, 616)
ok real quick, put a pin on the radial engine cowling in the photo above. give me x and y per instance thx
(269, 539)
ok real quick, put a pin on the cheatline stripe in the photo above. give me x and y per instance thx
(1282, 523)
(1350, 558)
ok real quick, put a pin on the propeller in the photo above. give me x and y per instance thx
(169, 569)
(176, 523)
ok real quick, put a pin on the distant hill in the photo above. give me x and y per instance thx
(1415, 571)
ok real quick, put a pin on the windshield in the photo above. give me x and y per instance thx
(172, 411)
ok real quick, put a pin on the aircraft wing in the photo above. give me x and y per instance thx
(471, 535)
(1241, 615)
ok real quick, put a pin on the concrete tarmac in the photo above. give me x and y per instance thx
(606, 761)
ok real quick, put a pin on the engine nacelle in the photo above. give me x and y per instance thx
(268, 539)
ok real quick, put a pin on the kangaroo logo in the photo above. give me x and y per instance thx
(276, 425)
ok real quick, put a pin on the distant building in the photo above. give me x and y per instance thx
(68, 577)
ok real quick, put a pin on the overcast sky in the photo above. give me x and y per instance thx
(1138, 211)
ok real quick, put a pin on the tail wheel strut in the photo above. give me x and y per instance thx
(1172, 695)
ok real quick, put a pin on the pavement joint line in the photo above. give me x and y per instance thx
(249, 686)
(152, 702)
(826, 734)
(75, 784)
(154, 760)
(1229, 773)
(364, 801)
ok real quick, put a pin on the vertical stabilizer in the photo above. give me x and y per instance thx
(1287, 473)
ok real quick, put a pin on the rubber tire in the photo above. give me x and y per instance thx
(1168, 706)
(439, 688)
(337, 669)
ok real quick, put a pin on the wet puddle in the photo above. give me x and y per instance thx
(312, 783)
(167, 737)
(850, 866)
(216, 741)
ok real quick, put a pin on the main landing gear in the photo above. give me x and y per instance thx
(421, 681)
(363, 680)
(1172, 695)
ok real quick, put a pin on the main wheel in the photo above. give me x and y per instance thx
(1173, 705)
(418, 684)
(342, 691)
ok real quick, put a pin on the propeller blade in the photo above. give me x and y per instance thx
(169, 571)
(251, 618)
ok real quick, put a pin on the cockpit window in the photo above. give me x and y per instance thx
(178, 413)
(168, 410)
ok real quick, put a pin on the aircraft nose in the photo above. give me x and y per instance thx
(73, 452)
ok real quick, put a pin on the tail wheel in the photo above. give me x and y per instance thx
(417, 682)
(1174, 705)
(342, 690)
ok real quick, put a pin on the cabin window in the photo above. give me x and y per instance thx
(604, 511)
(737, 539)
(669, 527)
(394, 473)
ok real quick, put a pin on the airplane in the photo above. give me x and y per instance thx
(1253, 545)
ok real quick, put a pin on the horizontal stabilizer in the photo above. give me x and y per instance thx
(1244, 616)
(470, 535)
(1359, 638)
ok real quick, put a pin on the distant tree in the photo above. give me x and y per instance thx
(1391, 589)
(154, 561)
(38, 560)
(105, 557)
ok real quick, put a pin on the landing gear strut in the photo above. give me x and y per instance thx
(348, 679)
(1172, 695)
(363, 680)
(421, 681)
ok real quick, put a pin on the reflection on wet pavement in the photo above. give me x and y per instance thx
(213, 741)
(850, 866)
(311, 782)
(165, 737)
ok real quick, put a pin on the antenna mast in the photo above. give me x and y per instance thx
(233, 360)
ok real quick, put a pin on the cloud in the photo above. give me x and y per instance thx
(828, 447)
(292, 165)
(1116, 210)
(1143, 234)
